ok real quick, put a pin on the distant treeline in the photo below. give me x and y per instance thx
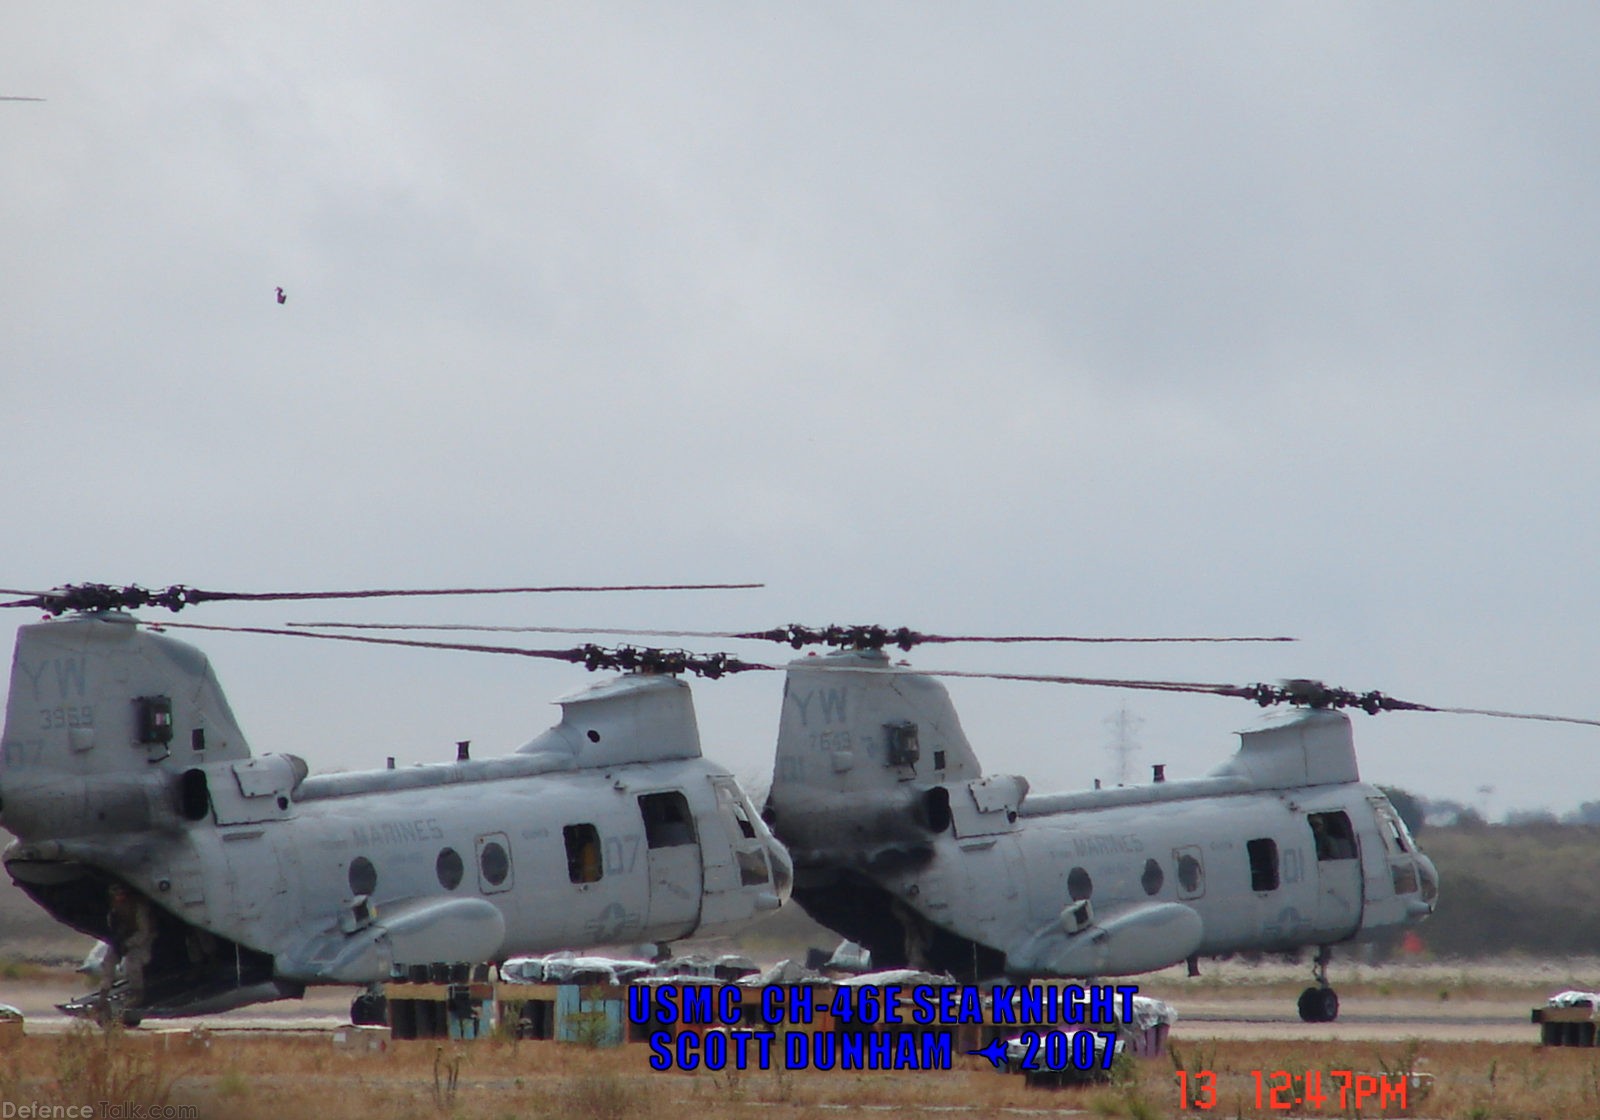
(1514, 888)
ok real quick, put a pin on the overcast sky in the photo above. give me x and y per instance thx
(1211, 319)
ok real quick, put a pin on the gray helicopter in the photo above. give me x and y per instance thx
(225, 878)
(902, 844)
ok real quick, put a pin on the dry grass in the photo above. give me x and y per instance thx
(1470, 1080)
(276, 1077)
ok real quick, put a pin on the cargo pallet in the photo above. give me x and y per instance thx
(1565, 1026)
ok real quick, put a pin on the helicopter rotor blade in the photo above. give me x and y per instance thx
(797, 636)
(1299, 693)
(1509, 715)
(100, 596)
(591, 657)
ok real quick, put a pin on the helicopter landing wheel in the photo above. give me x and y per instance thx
(1319, 1005)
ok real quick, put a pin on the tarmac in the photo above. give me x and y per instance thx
(1216, 1013)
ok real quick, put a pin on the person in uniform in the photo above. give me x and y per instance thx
(132, 936)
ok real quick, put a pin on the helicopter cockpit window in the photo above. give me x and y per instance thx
(737, 818)
(1334, 837)
(752, 867)
(667, 821)
(1263, 864)
(740, 814)
(583, 853)
(1395, 836)
(733, 810)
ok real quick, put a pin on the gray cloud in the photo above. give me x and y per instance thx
(1242, 318)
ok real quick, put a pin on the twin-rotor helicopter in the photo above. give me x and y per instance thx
(137, 802)
(123, 774)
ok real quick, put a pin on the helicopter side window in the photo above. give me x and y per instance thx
(1335, 838)
(667, 821)
(1263, 864)
(583, 852)
(363, 876)
(494, 863)
(752, 868)
(449, 868)
(1079, 885)
(1191, 872)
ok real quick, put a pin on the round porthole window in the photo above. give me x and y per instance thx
(1079, 885)
(1152, 878)
(1189, 873)
(494, 863)
(363, 876)
(449, 868)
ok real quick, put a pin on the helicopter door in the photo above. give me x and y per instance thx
(1339, 890)
(674, 858)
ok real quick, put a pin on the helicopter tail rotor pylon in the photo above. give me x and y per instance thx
(99, 699)
(851, 743)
